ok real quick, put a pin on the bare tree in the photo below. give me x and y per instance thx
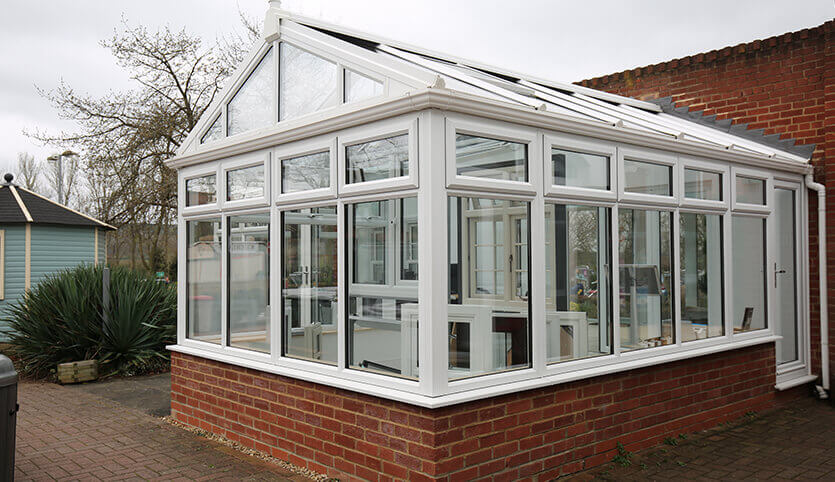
(126, 136)
(28, 171)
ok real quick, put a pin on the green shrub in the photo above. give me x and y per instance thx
(61, 320)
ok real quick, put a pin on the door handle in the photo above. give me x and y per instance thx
(776, 272)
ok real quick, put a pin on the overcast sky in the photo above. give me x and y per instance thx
(44, 41)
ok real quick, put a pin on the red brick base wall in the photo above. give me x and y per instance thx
(536, 434)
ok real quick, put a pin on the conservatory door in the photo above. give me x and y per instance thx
(786, 279)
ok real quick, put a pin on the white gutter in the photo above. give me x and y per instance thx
(824, 309)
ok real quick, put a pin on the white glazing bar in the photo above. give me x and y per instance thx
(341, 285)
(675, 265)
(276, 277)
(224, 282)
(539, 335)
(615, 275)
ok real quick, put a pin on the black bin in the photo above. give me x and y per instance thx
(8, 417)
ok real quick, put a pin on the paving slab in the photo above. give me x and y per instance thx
(793, 443)
(83, 432)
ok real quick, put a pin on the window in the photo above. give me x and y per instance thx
(380, 159)
(305, 173)
(309, 283)
(249, 281)
(647, 178)
(253, 106)
(577, 169)
(701, 292)
(489, 259)
(702, 185)
(213, 133)
(491, 158)
(308, 83)
(245, 183)
(203, 284)
(359, 87)
(750, 190)
(578, 284)
(749, 274)
(645, 271)
(382, 297)
(201, 190)
(2, 264)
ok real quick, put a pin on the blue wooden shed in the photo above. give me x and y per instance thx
(39, 237)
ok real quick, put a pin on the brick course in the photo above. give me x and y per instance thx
(537, 434)
(783, 84)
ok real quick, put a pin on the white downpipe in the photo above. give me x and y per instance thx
(824, 309)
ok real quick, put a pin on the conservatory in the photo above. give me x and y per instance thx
(407, 229)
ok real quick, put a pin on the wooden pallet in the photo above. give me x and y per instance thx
(77, 372)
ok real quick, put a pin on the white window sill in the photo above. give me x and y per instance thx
(475, 394)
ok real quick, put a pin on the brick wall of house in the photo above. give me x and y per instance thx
(536, 434)
(783, 84)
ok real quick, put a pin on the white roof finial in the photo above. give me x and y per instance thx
(275, 4)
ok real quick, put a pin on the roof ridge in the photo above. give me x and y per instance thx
(727, 125)
(102, 223)
(711, 55)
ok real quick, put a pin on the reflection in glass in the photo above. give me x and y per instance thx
(309, 283)
(645, 271)
(577, 169)
(491, 158)
(308, 83)
(702, 185)
(749, 279)
(785, 273)
(304, 173)
(213, 133)
(253, 104)
(750, 190)
(249, 281)
(203, 261)
(201, 190)
(647, 178)
(245, 183)
(382, 299)
(359, 87)
(380, 159)
(489, 257)
(578, 284)
(702, 314)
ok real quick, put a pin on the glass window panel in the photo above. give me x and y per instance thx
(249, 281)
(201, 190)
(308, 82)
(577, 169)
(253, 104)
(489, 279)
(304, 173)
(702, 185)
(359, 87)
(578, 314)
(309, 284)
(213, 133)
(245, 183)
(645, 271)
(702, 307)
(491, 158)
(383, 301)
(380, 159)
(749, 279)
(750, 190)
(647, 178)
(785, 274)
(203, 285)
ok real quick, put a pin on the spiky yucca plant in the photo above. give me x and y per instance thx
(62, 319)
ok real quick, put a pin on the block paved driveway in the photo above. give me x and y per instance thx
(793, 443)
(83, 433)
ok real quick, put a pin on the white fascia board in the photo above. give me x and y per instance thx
(361, 58)
(452, 101)
(478, 393)
(478, 65)
(232, 83)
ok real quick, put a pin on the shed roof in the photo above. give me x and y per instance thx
(20, 206)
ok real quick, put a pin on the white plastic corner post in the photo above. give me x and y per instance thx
(272, 21)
